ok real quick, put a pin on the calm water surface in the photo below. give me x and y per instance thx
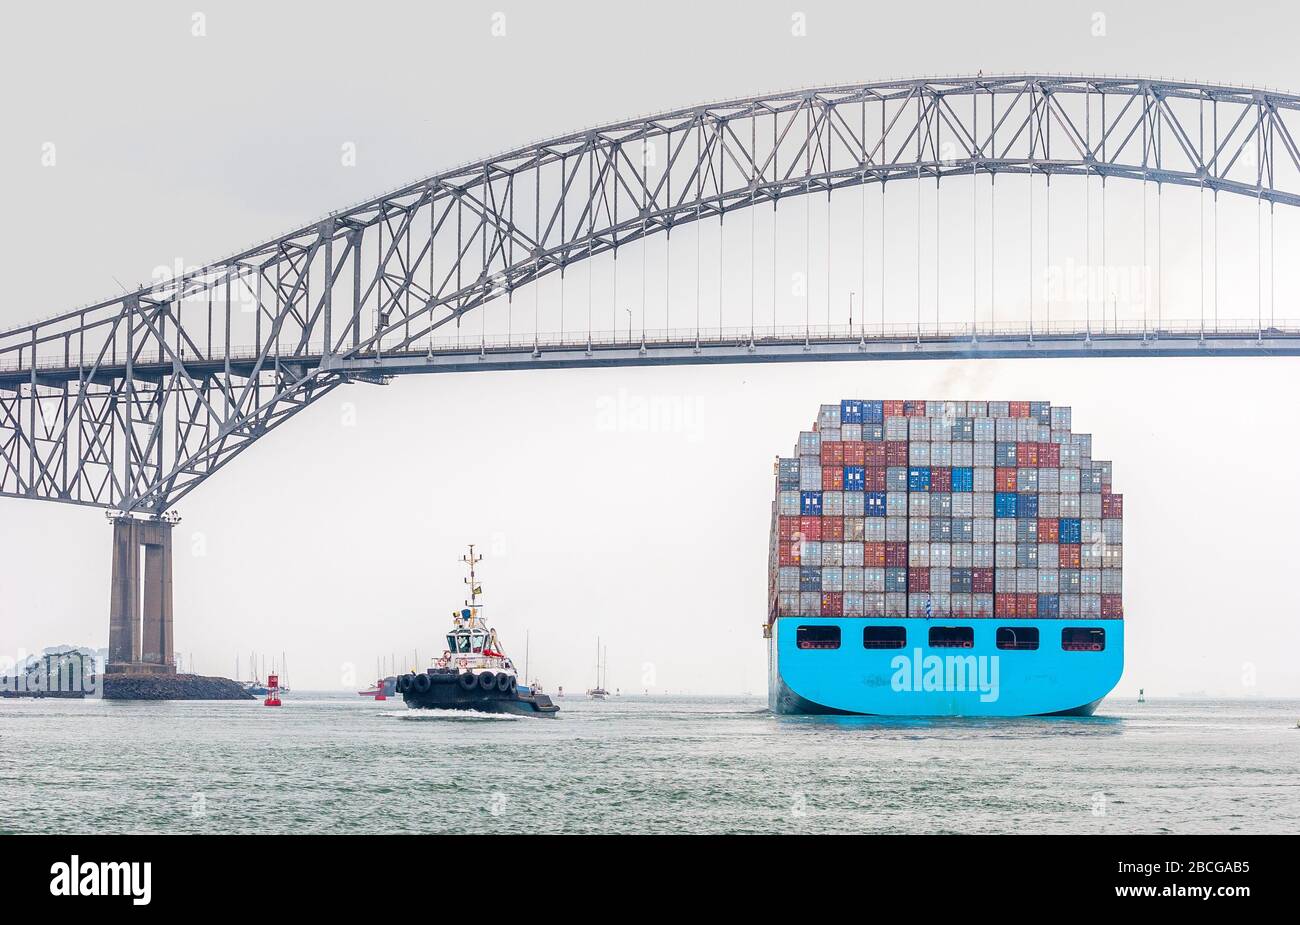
(329, 763)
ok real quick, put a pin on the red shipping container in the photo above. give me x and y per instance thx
(832, 604)
(1049, 455)
(873, 555)
(874, 454)
(855, 453)
(1112, 605)
(1049, 530)
(940, 478)
(1004, 605)
(1019, 409)
(918, 579)
(981, 580)
(832, 529)
(1026, 605)
(787, 526)
(1027, 454)
(875, 478)
(896, 453)
(892, 408)
(896, 555)
(810, 527)
(1112, 505)
(1004, 478)
(1068, 556)
(789, 552)
(832, 478)
(832, 453)
(914, 409)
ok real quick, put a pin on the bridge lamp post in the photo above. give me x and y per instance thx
(629, 324)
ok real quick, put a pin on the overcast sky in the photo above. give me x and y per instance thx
(336, 539)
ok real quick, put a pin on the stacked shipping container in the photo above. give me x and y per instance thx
(945, 509)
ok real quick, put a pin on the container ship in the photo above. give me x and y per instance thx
(944, 558)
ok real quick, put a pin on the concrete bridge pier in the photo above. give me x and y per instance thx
(140, 603)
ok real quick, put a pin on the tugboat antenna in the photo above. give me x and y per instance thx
(471, 560)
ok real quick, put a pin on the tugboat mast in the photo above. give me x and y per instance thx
(471, 560)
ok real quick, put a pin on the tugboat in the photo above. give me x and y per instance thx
(473, 672)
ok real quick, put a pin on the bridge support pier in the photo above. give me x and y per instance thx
(140, 600)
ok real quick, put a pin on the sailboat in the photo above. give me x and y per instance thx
(598, 692)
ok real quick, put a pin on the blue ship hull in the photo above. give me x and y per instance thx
(919, 680)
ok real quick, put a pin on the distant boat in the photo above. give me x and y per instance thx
(598, 692)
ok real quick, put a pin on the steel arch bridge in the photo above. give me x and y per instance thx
(130, 403)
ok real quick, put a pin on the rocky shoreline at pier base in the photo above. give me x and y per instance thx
(172, 687)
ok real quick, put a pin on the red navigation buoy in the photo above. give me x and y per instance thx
(273, 691)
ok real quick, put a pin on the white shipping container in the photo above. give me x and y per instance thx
(896, 529)
(895, 604)
(918, 529)
(963, 453)
(832, 555)
(918, 555)
(1069, 504)
(1112, 556)
(855, 504)
(854, 579)
(918, 452)
(1027, 480)
(787, 603)
(982, 530)
(1090, 505)
(977, 409)
(854, 605)
(895, 428)
(873, 604)
(1047, 581)
(963, 504)
(788, 503)
(1049, 555)
(874, 530)
(855, 529)
(918, 504)
(853, 554)
(1026, 580)
(940, 555)
(1112, 530)
(999, 409)
(984, 429)
(896, 504)
(940, 428)
(1112, 581)
(940, 578)
(1004, 530)
(1005, 430)
(982, 555)
(810, 603)
(1004, 580)
(918, 429)
(1090, 581)
(982, 604)
(962, 556)
(1090, 605)
(851, 431)
(1049, 479)
(810, 552)
(984, 454)
(1049, 504)
(1004, 555)
(787, 578)
(940, 453)
(832, 579)
(832, 504)
(982, 502)
(873, 579)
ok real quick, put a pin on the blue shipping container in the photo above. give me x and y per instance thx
(873, 433)
(810, 578)
(810, 503)
(855, 478)
(1027, 505)
(963, 478)
(1049, 605)
(850, 411)
(1004, 504)
(875, 504)
(1071, 529)
(873, 412)
(918, 478)
(1005, 454)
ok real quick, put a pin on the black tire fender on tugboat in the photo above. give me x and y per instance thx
(487, 680)
(421, 683)
(468, 681)
(503, 683)
(401, 683)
